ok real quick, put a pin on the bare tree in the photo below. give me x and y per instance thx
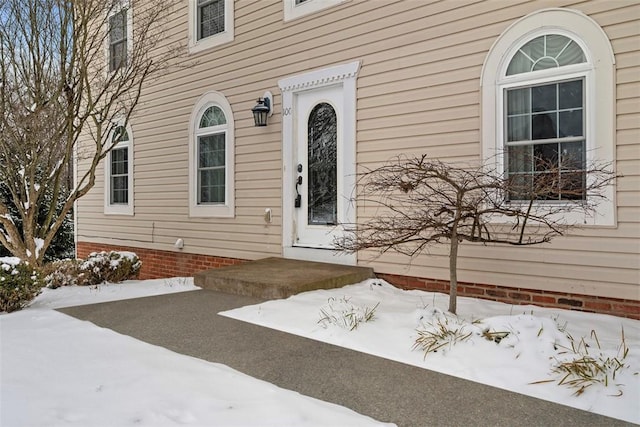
(69, 73)
(422, 201)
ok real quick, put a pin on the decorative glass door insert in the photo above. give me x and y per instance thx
(322, 144)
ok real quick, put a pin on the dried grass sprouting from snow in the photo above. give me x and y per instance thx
(345, 314)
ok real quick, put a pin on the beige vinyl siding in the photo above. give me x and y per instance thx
(418, 91)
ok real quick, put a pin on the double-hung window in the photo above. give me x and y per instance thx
(212, 137)
(548, 111)
(118, 40)
(211, 158)
(210, 23)
(119, 173)
(210, 18)
(545, 125)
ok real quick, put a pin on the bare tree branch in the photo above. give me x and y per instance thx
(57, 92)
(422, 201)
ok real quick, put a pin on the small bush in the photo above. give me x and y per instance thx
(111, 267)
(19, 284)
(99, 267)
(62, 273)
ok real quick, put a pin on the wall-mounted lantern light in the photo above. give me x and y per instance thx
(263, 109)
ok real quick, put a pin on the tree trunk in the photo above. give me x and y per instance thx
(453, 272)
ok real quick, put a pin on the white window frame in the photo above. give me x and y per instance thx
(119, 208)
(226, 210)
(293, 11)
(598, 73)
(117, 8)
(226, 36)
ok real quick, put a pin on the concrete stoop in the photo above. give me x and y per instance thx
(273, 278)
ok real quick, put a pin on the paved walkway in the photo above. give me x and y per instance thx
(385, 390)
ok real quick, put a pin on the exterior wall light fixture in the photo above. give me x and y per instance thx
(263, 109)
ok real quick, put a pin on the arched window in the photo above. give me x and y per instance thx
(211, 183)
(118, 195)
(540, 116)
(211, 141)
(544, 120)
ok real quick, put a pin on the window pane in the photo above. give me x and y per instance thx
(519, 101)
(570, 94)
(555, 44)
(544, 52)
(518, 128)
(520, 158)
(211, 150)
(544, 126)
(118, 168)
(543, 98)
(212, 186)
(213, 116)
(573, 185)
(570, 123)
(573, 155)
(572, 54)
(118, 26)
(210, 18)
(120, 134)
(119, 161)
(546, 186)
(520, 186)
(546, 156)
(534, 49)
(120, 183)
(118, 52)
(119, 190)
(519, 64)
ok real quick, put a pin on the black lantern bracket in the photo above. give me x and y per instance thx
(263, 109)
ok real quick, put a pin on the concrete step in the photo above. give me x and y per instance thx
(273, 278)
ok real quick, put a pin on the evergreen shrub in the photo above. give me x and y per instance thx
(98, 267)
(19, 284)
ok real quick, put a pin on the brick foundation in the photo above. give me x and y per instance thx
(158, 264)
(520, 296)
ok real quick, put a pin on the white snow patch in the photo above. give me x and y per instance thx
(39, 245)
(536, 340)
(10, 260)
(8, 217)
(57, 370)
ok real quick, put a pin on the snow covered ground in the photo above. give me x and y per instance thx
(511, 347)
(56, 370)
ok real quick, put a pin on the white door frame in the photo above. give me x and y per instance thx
(341, 75)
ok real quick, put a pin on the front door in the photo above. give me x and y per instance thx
(319, 174)
(319, 161)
